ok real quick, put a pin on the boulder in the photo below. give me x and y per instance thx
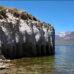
(24, 37)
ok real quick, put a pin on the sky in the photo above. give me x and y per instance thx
(59, 14)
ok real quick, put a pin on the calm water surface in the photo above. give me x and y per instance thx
(61, 63)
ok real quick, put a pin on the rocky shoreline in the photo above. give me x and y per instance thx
(4, 64)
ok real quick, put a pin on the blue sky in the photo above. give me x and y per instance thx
(59, 14)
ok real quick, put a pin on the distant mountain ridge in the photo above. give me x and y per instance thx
(64, 38)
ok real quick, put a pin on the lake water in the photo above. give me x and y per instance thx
(61, 63)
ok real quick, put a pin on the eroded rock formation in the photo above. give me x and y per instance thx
(22, 35)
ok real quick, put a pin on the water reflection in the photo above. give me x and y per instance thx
(64, 62)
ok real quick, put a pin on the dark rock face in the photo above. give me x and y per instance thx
(25, 37)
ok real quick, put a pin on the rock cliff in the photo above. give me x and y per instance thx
(22, 35)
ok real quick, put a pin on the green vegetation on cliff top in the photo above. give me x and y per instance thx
(18, 14)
